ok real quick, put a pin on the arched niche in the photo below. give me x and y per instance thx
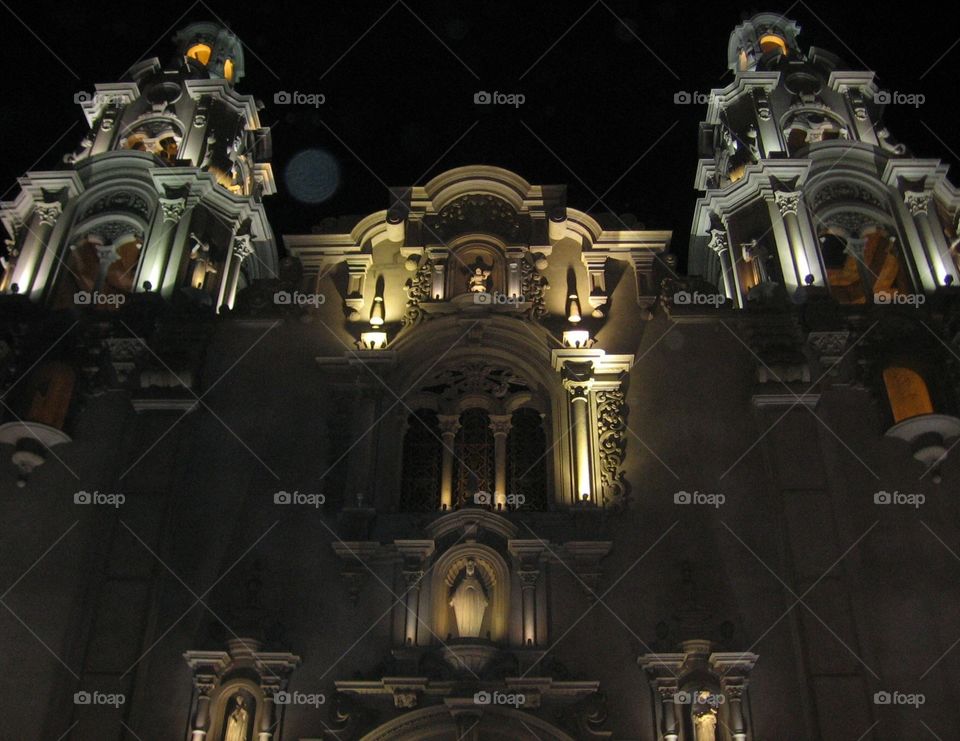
(232, 697)
(475, 266)
(160, 136)
(437, 723)
(492, 571)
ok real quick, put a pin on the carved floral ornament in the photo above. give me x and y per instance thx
(787, 202)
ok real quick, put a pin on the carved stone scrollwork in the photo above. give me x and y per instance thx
(611, 426)
(719, 241)
(533, 286)
(172, 208)
(917, 202)
(788, 203)
(48, 213)
(242, 247)
(418, 290)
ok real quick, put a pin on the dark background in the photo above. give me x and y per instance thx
(398, 99)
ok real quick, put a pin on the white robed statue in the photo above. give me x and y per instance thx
(469, 603)
(238, 722)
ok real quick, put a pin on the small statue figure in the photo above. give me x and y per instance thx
(238, 722)
(200, 255)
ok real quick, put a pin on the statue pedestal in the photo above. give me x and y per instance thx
(469, 657)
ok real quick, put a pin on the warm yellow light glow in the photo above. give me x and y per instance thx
(907, 393)
(576, 338)
(376, 313)
(200, 52)
(573, 315)
(373, 340)
(228, 70)
(771, 42)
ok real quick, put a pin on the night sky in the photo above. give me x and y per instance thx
(399, 104)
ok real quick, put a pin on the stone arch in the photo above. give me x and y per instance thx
(437, 723)
(495, 575)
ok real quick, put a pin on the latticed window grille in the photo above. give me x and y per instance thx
(527, 461)
(474, 456)
(422, 455)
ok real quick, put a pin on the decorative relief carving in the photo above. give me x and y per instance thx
(844, 191)
(475, 213)
(917, 202)
(611, 426)
(173, 208)
(719, 241)
(788, 203)
(418, 289)
(533, 287)
(48, 213)
(476, 378)
(124, 201)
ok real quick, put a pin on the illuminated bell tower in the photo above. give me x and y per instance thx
(805, 192)
(164, 193)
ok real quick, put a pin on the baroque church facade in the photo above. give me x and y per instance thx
(480, 465)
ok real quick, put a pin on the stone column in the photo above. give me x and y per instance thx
(156, 254)
(666, 690)
(267, 720)
(720, 244)
(579, 389)
(242, 249)
(449, 424)
(733, 689)
(44, 219)
(936, 252)
(805, 256)
(201, 716)
(412, 578)
(528, 586)
(500, 424)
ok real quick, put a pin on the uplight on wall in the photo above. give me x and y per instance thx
(573, 314)
(373, 340)
(577, 338)
(376, 312)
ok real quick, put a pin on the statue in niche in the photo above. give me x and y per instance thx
(704, 717)
(479, 276)
(469, 602)
(238, 722)
(202, 262)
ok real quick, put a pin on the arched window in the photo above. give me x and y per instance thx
(907, 393)
(200, 52)
(771, 42)
(527, 461)
(474, 456)
(422, 452)
(861, 270)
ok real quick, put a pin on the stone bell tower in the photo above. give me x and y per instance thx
(164, 193)
(805, 191)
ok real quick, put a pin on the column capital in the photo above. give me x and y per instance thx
(49, 212)
(172, 208)
(242, 247)
(719, 242)
(448, 423)
(917, 202)
(500, 424)
(787, 201)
